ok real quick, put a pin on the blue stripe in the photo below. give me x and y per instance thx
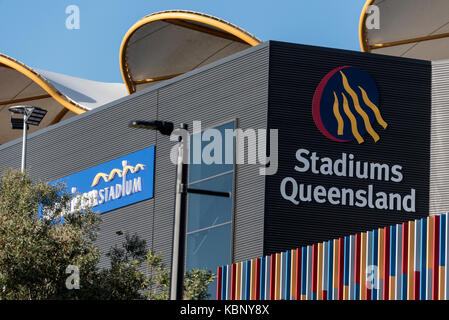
(442, 239)
(248, 281)
(423, 274)
(393, 251)
(262, 279)
(223, 282)
(304, 271)
(357, 291)
(346, 262)
(404, 286)
(330, 271)
(288, 260)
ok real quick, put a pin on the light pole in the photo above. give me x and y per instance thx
(31, 115)
(179, 228)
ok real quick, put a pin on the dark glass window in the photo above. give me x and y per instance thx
(209, 220)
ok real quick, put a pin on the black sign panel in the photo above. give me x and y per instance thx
(354, 143)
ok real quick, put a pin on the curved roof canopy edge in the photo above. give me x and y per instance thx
(408, 28)
(165, 44)
(61, 95)
(46, 85)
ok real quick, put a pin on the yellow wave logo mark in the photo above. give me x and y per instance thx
(119, 172)
(358, 109)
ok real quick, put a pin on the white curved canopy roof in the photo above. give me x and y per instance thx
(408, 28)
(158, 47)
(166, 44)
(62, 96)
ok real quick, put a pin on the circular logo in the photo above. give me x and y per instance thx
(345, 105)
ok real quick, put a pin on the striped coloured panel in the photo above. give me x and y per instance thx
(403, 261)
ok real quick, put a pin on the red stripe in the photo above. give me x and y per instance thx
(404, 248)
(417, 282)
(386, 263)
(341, 261)
(298, 273)
(314, 267)
(368, 292)
(258, 279)
(219, 283)
(233, 279)
(357, 258)
(272, 276)
(324, 294)
(436, 256)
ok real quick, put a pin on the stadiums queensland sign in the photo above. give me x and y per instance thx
(354, 145)
(114, 184)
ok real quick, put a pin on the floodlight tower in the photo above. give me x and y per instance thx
(31, 115)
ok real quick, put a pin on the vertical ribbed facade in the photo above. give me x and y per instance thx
(439, 161)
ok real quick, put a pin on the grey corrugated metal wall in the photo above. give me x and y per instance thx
(439, 147)
(232, 88)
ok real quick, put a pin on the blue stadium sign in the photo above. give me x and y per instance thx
(114, 184)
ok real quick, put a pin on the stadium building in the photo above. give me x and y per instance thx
(311, 143)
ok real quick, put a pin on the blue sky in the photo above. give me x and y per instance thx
(35, 33)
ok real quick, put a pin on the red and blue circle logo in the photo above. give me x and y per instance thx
(345, 106)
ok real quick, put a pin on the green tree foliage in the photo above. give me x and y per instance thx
(35, 252)
(126, 274)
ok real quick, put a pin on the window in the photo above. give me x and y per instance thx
(209, 218)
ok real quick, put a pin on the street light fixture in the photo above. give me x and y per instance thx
(31, 116)
(179, 230)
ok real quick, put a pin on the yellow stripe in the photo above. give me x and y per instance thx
(237, 282)
(392, 295)
(338, 116)
(351, 117)
(373, 107)
(293, 275)
(251, 280)
(355, 100)
(254, 279)
(320, 272)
